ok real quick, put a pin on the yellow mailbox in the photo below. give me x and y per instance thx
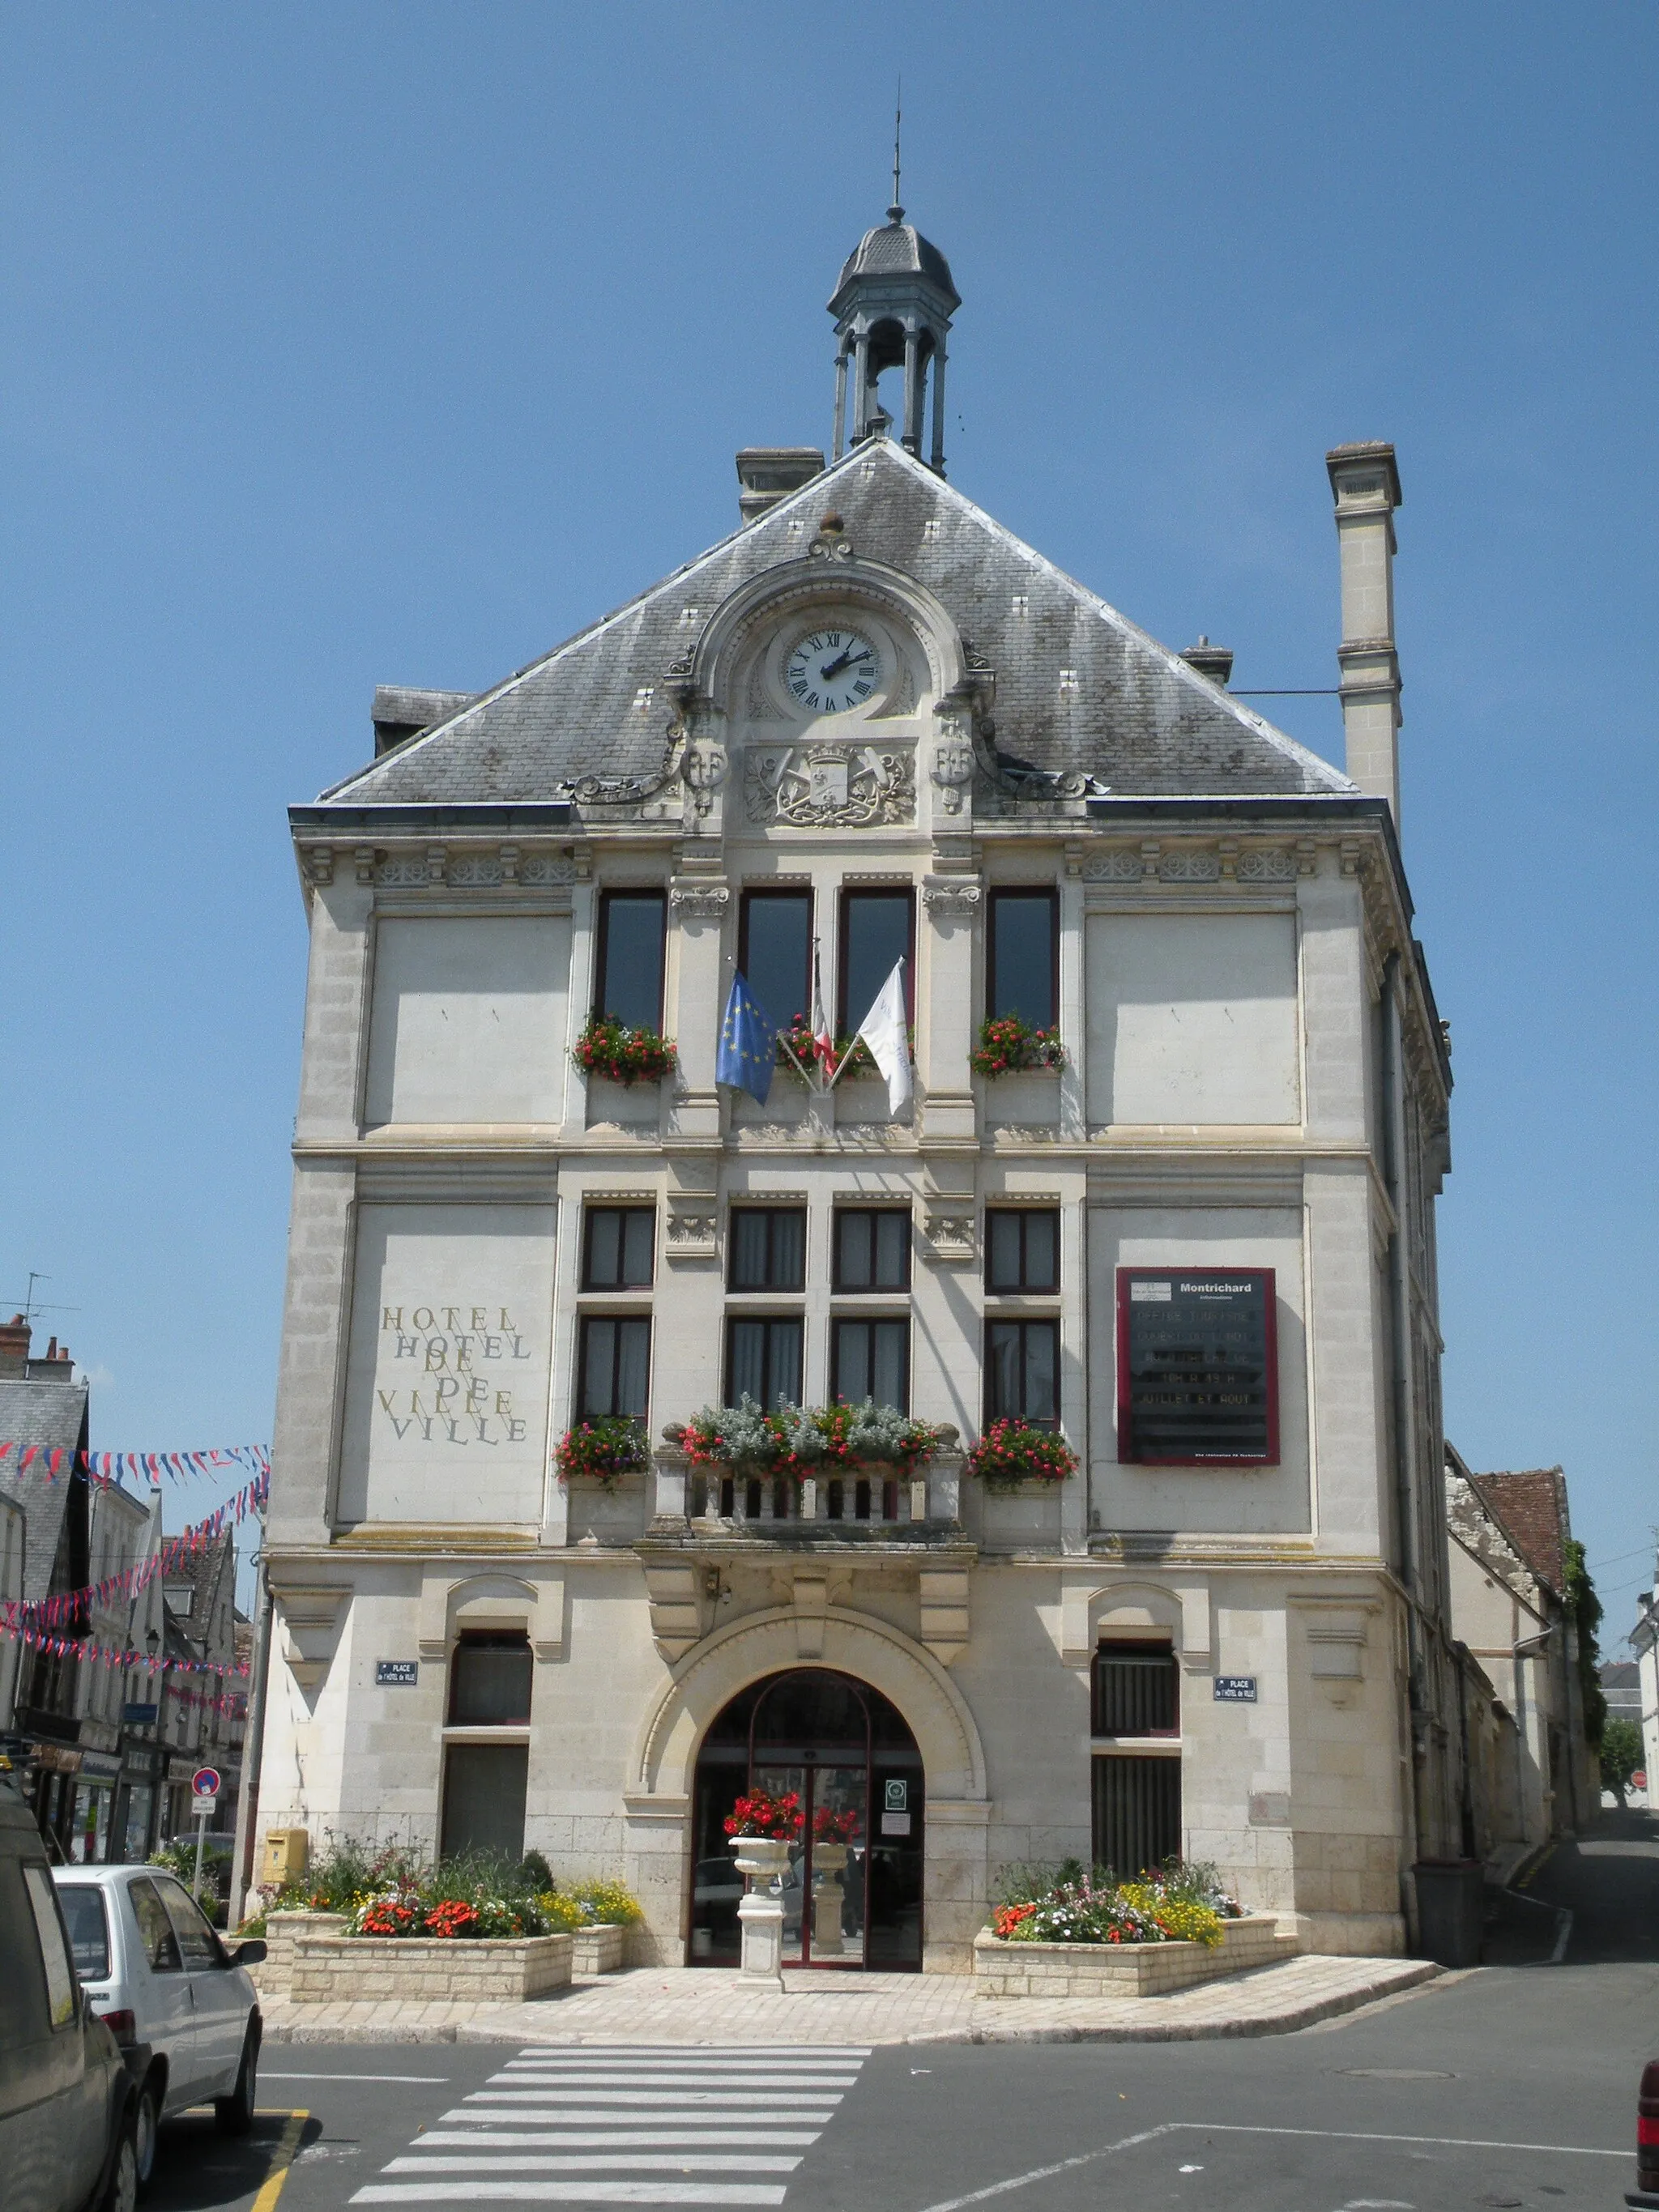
(286, 1852)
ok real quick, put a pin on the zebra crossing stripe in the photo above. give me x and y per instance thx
(612, 2125)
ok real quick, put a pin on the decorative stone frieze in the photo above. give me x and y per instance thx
(693, 1232)
(1121, 866)
(1268, 864)
(702, 901)
(830, 786)
(952, 898)
(1190, 868)
(952, 1235)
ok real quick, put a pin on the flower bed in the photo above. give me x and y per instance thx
(604, 1450)
(422, 1969)
(1012, 1452)
(1060, 1932)
(800, 1441)
(609, 1048)
(1008, 1045)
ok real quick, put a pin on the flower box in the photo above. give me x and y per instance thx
(598, 1950)
(1125, 1970)
(272, 1977)
(427, 1970)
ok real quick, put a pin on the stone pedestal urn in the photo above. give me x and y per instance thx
(760, 1914)
(829, 1865)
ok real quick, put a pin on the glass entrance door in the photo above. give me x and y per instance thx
(852, 1891)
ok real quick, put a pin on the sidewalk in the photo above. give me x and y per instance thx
(683, 2005)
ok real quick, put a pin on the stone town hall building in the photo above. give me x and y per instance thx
(1225, 1634)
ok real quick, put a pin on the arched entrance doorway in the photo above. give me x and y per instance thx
(851, 1894)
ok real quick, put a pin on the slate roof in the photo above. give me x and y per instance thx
(895, 249)
(1530, 1506)
(54, 1415)
(1129, 711)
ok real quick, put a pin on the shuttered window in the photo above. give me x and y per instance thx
(1137, 1811)
(1137, 1691)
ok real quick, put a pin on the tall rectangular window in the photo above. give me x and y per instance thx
(871, 1360)
(1022, 1248)
(763, 1360)
(616, 1364)
(1137, 1691)
(621, 1248)
(1137, 1812)
(1022, 1372)
(775, 951)
(877, 928)
(490, 1680)
(627, 982)
(1023, 957)
(769, 1248)
(873, 1248)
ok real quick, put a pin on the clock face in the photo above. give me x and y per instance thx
(832, 670)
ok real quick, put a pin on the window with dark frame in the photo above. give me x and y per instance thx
(615, 1365)
(1137, 1690)
(767, 1248)
(1022, 960)
(619, 1253)
(1022, 1372)
(763, 1360)
(1022, 1248)
(1137, 1812)
(877, 929)
(490, 1680)
(774, 952)
(869, 1358)
(629, 972)
(873, 1248)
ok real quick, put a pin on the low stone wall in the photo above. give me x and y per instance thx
(1127, 1970)
(598, 1950)
(425, 1969)
(273, 1976)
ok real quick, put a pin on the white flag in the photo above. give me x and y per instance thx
(885, 1031)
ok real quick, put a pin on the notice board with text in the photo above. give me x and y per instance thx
(1197, 1367)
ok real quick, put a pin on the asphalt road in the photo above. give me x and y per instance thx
(1511, 2086)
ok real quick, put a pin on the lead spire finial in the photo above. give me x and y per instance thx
(895, 213)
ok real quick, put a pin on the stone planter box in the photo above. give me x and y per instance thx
(598, 1950)
(273, 1977)
(428, 1969)
(1127, 1970)
(624, 1105)
(1027, 1098)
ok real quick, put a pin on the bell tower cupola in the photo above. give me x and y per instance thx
(892, 308)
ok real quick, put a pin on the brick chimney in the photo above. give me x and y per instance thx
(14, 1347)
(1365, 484)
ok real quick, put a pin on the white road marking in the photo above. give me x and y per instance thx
(614, 2053)
(754, 2138)
(681, 2163)
(266, 2074)
(549, 2130)
(571, 2192)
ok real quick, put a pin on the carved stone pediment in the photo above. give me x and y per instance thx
(828, 786)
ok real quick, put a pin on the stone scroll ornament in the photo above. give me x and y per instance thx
(830, 787)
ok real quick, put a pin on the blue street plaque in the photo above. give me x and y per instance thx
(1235, 1689)
(138, 1716)
(397, 1673)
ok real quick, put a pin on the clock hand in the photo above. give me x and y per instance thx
(847, 659)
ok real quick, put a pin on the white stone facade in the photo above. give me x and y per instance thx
(1255, 1078)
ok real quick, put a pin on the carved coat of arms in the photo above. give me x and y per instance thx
(825, 785)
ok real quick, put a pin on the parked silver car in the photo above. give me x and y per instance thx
(180, 2004)
(67, 2106)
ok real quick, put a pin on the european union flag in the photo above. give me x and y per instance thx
(748, 1044)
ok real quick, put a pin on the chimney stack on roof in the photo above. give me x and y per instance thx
(14, 1346)
(1365, 484)
(1215, 661)
(769, 473)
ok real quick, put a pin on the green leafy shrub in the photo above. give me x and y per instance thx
(797, 1441)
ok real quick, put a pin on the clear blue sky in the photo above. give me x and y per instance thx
(393, 343)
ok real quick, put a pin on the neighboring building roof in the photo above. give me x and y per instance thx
(52, 1415)
(1531, 1507)
(191, 1587)
(1080, 691)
